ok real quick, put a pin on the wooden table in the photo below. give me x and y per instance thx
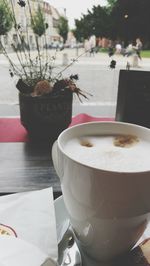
(26, 167)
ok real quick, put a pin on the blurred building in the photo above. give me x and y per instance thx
(103, 42)
(23, 19)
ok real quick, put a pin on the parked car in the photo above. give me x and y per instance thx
(55, 45)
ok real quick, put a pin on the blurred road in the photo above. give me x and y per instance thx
(95, 77)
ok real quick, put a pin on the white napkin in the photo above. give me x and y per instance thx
(31, 216)
(17, 252)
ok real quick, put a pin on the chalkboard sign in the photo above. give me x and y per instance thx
(133, 101)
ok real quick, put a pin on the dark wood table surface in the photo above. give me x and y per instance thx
(26, 167)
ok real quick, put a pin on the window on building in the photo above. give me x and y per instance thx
(55, 23)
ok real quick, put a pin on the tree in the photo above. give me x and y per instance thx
(94, 22)
(5, 18)
(83, 27)
(38, 22)
(131, 19)
(111, 2)
(63, 27)
(101, 21)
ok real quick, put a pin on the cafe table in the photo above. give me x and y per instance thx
(25, 166)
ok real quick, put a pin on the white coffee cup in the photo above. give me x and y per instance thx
(108, 209)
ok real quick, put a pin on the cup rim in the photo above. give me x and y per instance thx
(131, 125)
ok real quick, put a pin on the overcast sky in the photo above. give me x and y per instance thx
(74, 8)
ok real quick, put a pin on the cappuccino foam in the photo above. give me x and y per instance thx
(115, 153)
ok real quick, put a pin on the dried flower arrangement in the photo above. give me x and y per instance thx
(36, 74)
(45, 95)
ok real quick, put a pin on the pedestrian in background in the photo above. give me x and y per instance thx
(87, 47)
(110, 50)
(138, 47)
(92, 42)
(129, 50)
(118, 48)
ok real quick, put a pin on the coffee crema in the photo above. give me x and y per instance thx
(120, 153)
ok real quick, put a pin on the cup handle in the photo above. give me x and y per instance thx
(55, 158)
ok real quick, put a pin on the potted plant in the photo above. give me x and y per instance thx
(45, 96)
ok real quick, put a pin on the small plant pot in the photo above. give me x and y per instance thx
(45, 117)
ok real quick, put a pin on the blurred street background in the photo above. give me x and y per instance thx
(110, 29)
(95, 77)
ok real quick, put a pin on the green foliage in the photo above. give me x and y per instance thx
(102, 22)
(5, 18)
(38, 23)
(96, 22)
(145, 54)
(123, 20)
(63, 27)
(111, 3)
(131, 19)
(104, 50)
(82, 28)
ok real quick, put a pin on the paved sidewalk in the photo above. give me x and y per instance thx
(99, 58)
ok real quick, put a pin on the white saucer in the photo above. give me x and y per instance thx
(62, 221)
